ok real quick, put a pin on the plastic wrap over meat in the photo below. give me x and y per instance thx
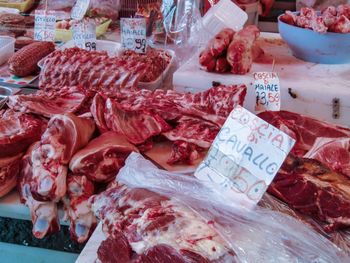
(82, 220)
(64, 136)
(258, 235)
(102, 158)
(44, 215)
(47, 104)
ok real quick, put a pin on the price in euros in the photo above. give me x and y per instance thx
(140, 45)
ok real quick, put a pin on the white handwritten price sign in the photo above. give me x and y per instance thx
(245, 156)
(79, 9)
(45, 25)
(267, 90)
(84, 35)
(133, 34)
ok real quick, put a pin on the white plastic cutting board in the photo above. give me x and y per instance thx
(314, 84)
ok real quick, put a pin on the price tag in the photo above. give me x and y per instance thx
(45, 25)
(84, 35)
(245, 157)
(133, 34)
(267, 90)
(79, 9)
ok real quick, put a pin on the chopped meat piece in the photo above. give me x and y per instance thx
(115, 250)
(342, 25)
(65, 135)
(305, 130)
(289, 18)
(82, 220)
(102, 158)
(333, 153)
(44, 215)
(183, 152)
(311, 188)
(47, 104)
(18, 131)
(9, 169)
(221, 41)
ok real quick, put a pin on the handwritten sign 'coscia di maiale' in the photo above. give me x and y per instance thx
(133, 34)
(245, 157)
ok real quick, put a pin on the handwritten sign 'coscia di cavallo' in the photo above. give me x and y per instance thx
(245, 157)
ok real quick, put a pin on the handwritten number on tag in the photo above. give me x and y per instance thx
(141, 44)
(90, 46)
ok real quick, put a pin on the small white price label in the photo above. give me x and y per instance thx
(45, 25)
(84, 35)
(267, 90)
(133, 34)
(79, 9)
(245, 157)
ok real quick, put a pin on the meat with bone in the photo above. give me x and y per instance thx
(184, 153)
(9, 170)
(64, 136)
(44, 215)
(66, 100)
(157, 229)
(305, 130)
(240, 52)
(313, 189)
(102, 158)
(92, 70)
(18, 131)
(333, 153)
(82, 220)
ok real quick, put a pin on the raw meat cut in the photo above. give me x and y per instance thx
(47, 104)
(313, 189)
(102, 158)
(156, 228)
(156, 61)
(64, 136)
(97, 110)
(9, 169)
(239, 53)
(82, 219)
(333, 153)
(193, 130)
(305, 130)
(18, 131)
(44, 214)
(93, 70)
(184, 152)
(137, 126)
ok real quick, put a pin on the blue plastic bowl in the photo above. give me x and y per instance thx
(308, 45)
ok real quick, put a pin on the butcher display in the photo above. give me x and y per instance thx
(66, 100)
(81, 218)
(64, 136)
(331, 19)
(231, 51)
(102, 158)
(143, 226)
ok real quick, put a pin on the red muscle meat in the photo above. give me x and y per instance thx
(311, 188)
(184, 152)
(18, 131)
(156, 228)
(305, 130)
(47, 104)
(65, 135)
(332, 152)
(9, 169)
(239, 53)
(92, 70)
(102, 158)
(44, 215)
(81, 218)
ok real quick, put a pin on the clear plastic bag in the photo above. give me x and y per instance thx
(259, 235)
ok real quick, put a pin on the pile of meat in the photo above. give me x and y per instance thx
(231, 51)
(331, 19)
(145, 227)
(49, 139)
(67, 24)
(98, 72)
(314, 179)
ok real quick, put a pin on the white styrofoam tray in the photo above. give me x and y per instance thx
(113, 49)
(315, 85)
